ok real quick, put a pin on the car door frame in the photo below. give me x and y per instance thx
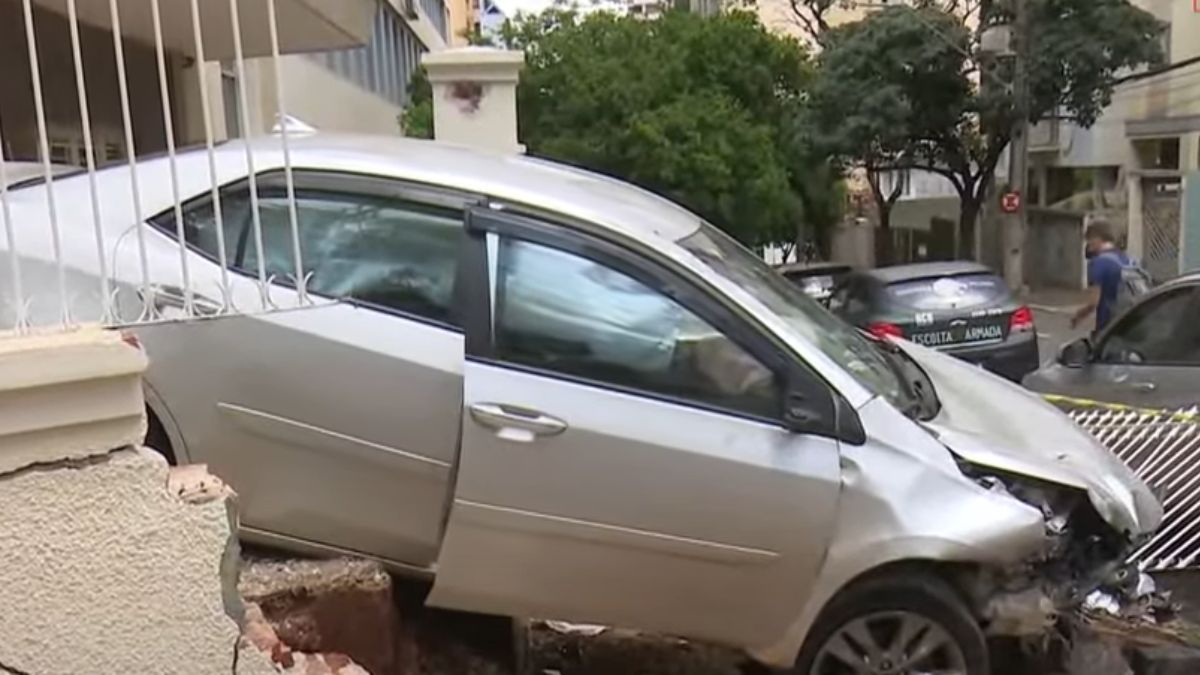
(803, 395)
(337, 181)
(1096, 363)
(537, 228)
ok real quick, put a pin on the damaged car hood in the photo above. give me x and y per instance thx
(991, 422)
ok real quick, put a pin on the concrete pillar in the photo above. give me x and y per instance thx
(1133, 185)
(475, 96)
(1043, 185)
(188, 103)
(1190, 221)
(1189, 152)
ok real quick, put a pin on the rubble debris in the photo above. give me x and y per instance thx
(1029, 612)
(259, 635)
(580, 629)
(1166, 660)
(333, 607)
(1090, 653)
(1099, 601)
(193, 484)
(624, 652)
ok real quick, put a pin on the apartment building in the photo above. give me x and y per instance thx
(1139, 165)
(1136, 168)
(346, 65)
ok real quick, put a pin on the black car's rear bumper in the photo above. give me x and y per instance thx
(1012, 359)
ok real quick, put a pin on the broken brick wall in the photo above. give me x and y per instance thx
(110, 562)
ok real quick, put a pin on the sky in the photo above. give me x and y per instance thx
(511, 7)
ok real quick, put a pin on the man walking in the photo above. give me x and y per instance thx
(1105, 273)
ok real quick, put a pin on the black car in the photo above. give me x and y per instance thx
(816, 279)
(961, 308)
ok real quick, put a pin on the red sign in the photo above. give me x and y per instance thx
(1011, 201)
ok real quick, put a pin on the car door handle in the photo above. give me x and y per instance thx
(1144, 387)
(506, 418)
(173, 296)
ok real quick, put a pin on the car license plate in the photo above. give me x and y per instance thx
(960, 332)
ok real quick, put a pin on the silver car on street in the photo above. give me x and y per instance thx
(558, 395)
(1149, 357)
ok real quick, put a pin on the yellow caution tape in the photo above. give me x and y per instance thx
(1173, 415)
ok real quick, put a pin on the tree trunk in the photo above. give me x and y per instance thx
(885, 247)
(968, 214)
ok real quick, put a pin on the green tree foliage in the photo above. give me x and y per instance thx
(910, 86)
(704, 110)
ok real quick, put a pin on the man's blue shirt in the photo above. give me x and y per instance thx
(1104, 271)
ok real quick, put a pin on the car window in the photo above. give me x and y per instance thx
(815, 284)
(963, 291)
(366, 246)
(857, 300)
(1162, 330)
(850, 297)
(567, 314)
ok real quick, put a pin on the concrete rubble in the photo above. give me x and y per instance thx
(338, 606)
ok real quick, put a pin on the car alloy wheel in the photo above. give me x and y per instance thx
(890, 643)
(903, 621)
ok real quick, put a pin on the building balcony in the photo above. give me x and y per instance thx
(304, 25)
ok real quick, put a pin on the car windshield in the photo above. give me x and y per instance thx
(868, 364)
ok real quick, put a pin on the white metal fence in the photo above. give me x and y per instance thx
(1163, 448)
(39, 239)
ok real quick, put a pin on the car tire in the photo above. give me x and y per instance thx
(157, 439)
(947, 636)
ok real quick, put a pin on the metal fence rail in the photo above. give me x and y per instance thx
(43, 238)
(1163, 448)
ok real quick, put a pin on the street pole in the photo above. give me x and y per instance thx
(1015, 224)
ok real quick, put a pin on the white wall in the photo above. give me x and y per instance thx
(323, 100)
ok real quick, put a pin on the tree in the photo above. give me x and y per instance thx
(700, 109)
(912, 85)
(862, 101)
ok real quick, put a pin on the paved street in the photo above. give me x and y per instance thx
(1052, 315)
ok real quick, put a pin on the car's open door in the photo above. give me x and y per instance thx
(590, 490)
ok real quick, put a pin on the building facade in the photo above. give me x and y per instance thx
(1137, 167)
(345, 66)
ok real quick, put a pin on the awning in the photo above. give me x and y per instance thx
(304, 25)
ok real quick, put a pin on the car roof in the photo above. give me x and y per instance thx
(19, 173)
(542, 185)
(1184, 279)
(930, 270)
(815, 267)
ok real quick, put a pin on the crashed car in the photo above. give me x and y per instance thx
(557, 395)
(818, 280)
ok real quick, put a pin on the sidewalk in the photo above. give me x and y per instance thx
(1052, 310)
(1057, 300)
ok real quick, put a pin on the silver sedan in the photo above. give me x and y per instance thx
(1148, 357)
(561, 396)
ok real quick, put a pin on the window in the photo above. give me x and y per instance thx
(563, 313)
(850, 299)
(385, 64)
(963, 291)
(231, 100)
(363, 244)
(1160, 331)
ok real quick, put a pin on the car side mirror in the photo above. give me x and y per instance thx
(822, 414)
(802, 414)
(1076, 354)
